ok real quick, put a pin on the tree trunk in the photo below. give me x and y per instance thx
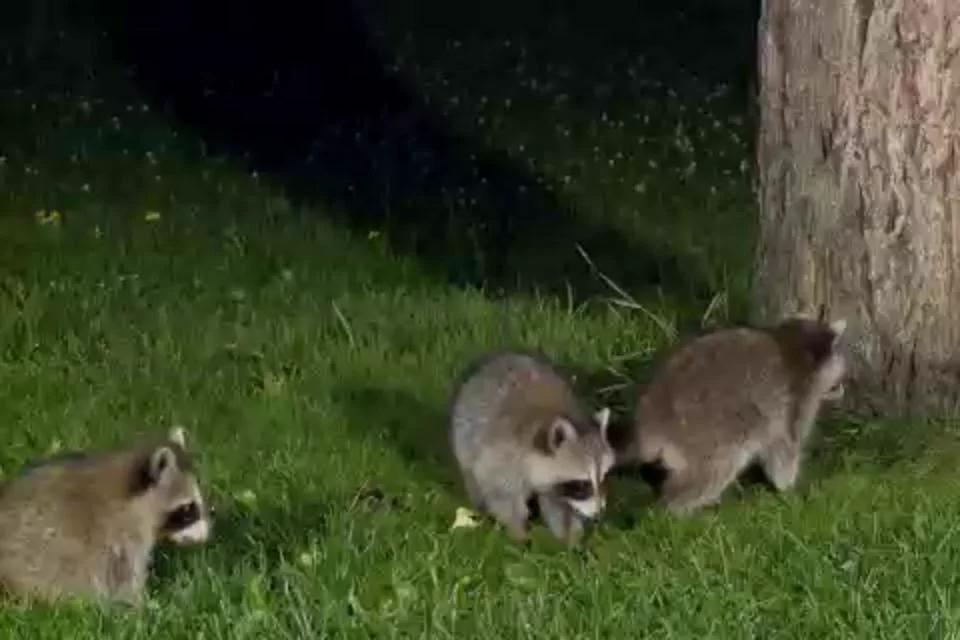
(859, 188)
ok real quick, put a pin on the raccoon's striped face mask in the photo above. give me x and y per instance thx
(586, 496)
(592, 457)
(170, 478)
(583, 496)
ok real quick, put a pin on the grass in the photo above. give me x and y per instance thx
(311, 363)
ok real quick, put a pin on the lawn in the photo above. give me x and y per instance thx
(145, 280)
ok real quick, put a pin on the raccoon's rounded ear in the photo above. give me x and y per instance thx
(561, 430)
(178, 436)
(162, 460)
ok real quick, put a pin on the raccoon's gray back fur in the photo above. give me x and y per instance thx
(495, 390)
(733, 397)
(518, 430)
(85, 525)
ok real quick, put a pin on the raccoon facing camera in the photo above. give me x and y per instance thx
(519, 432)
(84, 524)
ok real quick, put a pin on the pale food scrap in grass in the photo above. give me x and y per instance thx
(465, 518)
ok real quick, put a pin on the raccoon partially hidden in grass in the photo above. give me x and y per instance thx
(85, 524)
(518, 432)
(731, 398)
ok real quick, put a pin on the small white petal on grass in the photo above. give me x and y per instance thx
(465, 518)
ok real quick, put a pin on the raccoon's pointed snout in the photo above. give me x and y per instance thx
(591, 508)
(196, 533)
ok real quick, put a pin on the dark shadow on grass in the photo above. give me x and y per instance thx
(301, 92)
(265, 531)
(414, 429)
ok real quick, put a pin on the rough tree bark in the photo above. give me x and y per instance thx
(859, 186)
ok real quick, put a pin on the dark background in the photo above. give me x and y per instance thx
(311, 94)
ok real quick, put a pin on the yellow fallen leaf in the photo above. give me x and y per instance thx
(465, 518)
(44, 217)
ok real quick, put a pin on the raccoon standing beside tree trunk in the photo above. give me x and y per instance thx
(518, 431)
(85, 524)
(733, 397)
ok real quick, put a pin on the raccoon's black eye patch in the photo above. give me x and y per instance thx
(575, 489)
(182, 517)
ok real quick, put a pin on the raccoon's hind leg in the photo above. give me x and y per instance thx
(781, 463)
(560, 519)
(697, 486)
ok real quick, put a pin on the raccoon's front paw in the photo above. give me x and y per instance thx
(519, 533)
(575, 530)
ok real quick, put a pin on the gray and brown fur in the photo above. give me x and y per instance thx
(85, 524)
(731, 398)
(518, 431)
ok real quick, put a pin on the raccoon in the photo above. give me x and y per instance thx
(85, 524)
(518, 432)
(731, 398)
